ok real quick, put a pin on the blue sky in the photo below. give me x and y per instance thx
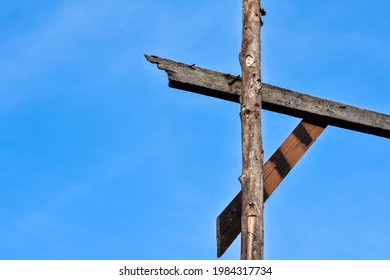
(99, 159)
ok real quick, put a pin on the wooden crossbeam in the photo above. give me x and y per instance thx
(275, 170)
(276, 99)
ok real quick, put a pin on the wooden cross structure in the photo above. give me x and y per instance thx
(244, 214)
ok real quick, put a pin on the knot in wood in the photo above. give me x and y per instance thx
(262, 11)
(249, 60)
(252, 211)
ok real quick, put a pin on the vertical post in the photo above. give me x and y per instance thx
(252, 223)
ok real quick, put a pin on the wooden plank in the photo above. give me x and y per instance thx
(276, 99)
(229, 225)
(275, 170)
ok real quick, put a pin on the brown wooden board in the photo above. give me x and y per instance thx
(275, 170)
(276, 99)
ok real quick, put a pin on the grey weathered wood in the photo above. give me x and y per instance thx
(276, 99)
(229, 225)
(252, 176)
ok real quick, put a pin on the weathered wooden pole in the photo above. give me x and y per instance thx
(252, 223)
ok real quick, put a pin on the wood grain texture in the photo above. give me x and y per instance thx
(276, 99)
(252, 176)
(275, 170)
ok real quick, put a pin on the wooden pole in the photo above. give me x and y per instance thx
(252, 223)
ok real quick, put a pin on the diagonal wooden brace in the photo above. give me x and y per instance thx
(275, 170)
